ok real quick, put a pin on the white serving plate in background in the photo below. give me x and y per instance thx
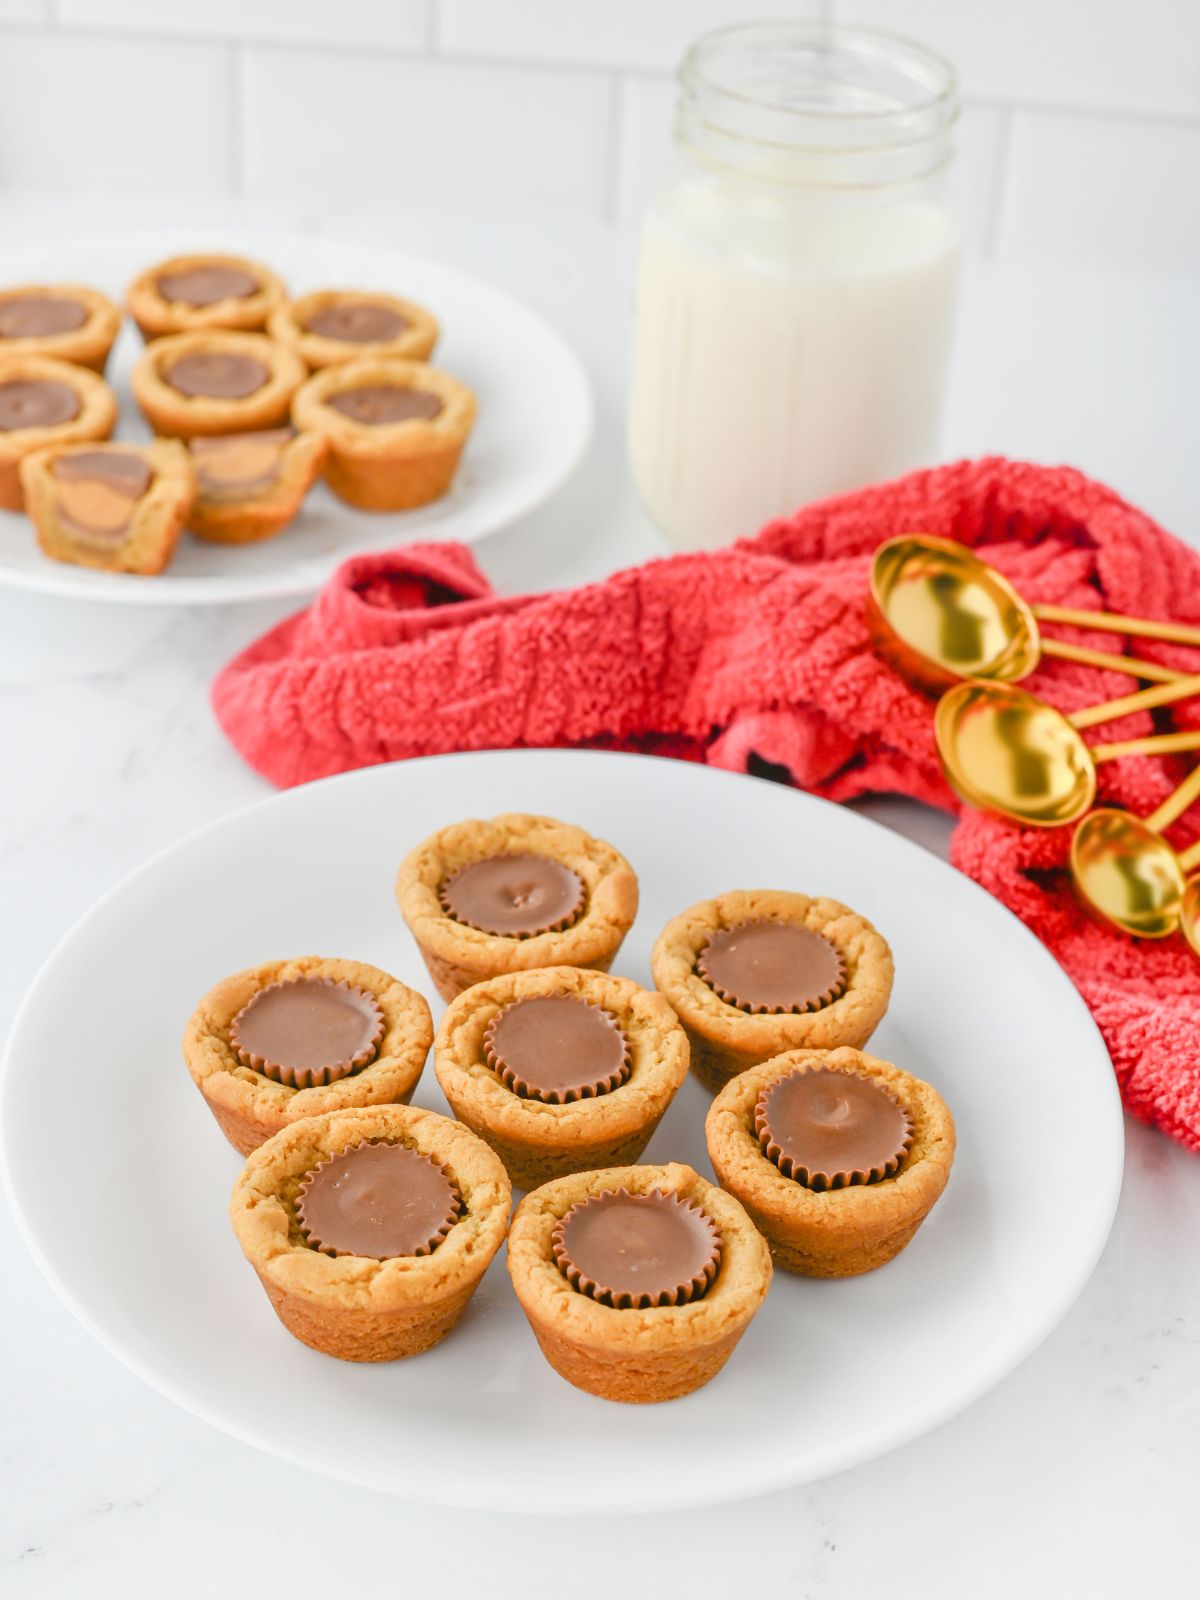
(120, 1178)
(535, 417)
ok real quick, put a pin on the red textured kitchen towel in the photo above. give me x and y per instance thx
(756, 657)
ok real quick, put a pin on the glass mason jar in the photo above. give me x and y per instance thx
(797, 277)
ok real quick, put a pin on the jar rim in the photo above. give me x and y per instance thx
(854, 38)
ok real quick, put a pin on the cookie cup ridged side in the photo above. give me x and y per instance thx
(726, 1040)
(395, 466)
(85, 346)
(181, 416)
(96, 420)
(158, 318)
(833, 1233)
(638, 1356)
(539, 1141)
(289, 324)
(354, 1307)
(155, 523)
(251, 1107)
(458, 956)
(230, 519)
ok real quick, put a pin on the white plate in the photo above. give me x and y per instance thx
(535, 419)
(119, 1175)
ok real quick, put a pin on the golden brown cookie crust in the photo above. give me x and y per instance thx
(252, 1108)
(354, 1307)
(289, 324)
(157, 317)
(182, 417)
(636, 1355)
(260, 513)
(725, 1040)
(458, 956)
(537, 1141)
(399, 465)
(155, 525)
(85, 346)
(96, 420)
(835, 1233)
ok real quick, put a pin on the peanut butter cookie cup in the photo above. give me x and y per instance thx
(370, 1229)
(637, 1281)
(65, 321)
(249, 486)
(561, 1070)
(293, 1039)
(199, 293)
(756, 972)
(837, 1156)
(396, 430)
(118, 507)
(336, 325)
(482, 898)
(191, 384)
(45, 402)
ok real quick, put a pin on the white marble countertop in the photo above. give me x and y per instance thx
(1076, 1475)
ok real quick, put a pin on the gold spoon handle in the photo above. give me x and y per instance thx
(1190, 857)
(1143, 700)
(1150, 671)
(1111, 622)
(1156, 744)
(1176, 803)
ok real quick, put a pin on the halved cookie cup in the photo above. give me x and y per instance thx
(725, 1039)
(355, 1307)
(631, 1354)
(155, 521)
(86, 345)
(252, 1107)
(458, 956)
(170, 411)
(95, 415)
(229, 510)
(536, 1140)
(836, 1232)
(158, 317)
(388, 466)
(293, 324)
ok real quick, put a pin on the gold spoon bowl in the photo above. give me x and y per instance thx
(1128, 873)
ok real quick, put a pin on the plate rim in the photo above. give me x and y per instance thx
(63, 581)
(908, 1427)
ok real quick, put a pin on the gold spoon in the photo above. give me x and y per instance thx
(939, 614)
(1004, 750)
(1129, 874)
(1189, 911)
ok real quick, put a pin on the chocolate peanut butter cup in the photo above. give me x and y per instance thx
(216, 375)
(376, 405)
(514, 896)
(768, 967)
(36, 403)
(214, 382)
(308, 1031)
(40, 316)
(557, 1048)
(632, 1251)
(356, 322)
(239, 463)
(206, 285)
(97, 492)
(828, 1130)
(377, 1199)
(119, 508)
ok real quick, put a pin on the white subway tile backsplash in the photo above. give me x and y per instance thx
(124, 114)
(1104, 192)
(1106, 54)
(647, 113)
(398, 24)
(623, 33)
(431, 133)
